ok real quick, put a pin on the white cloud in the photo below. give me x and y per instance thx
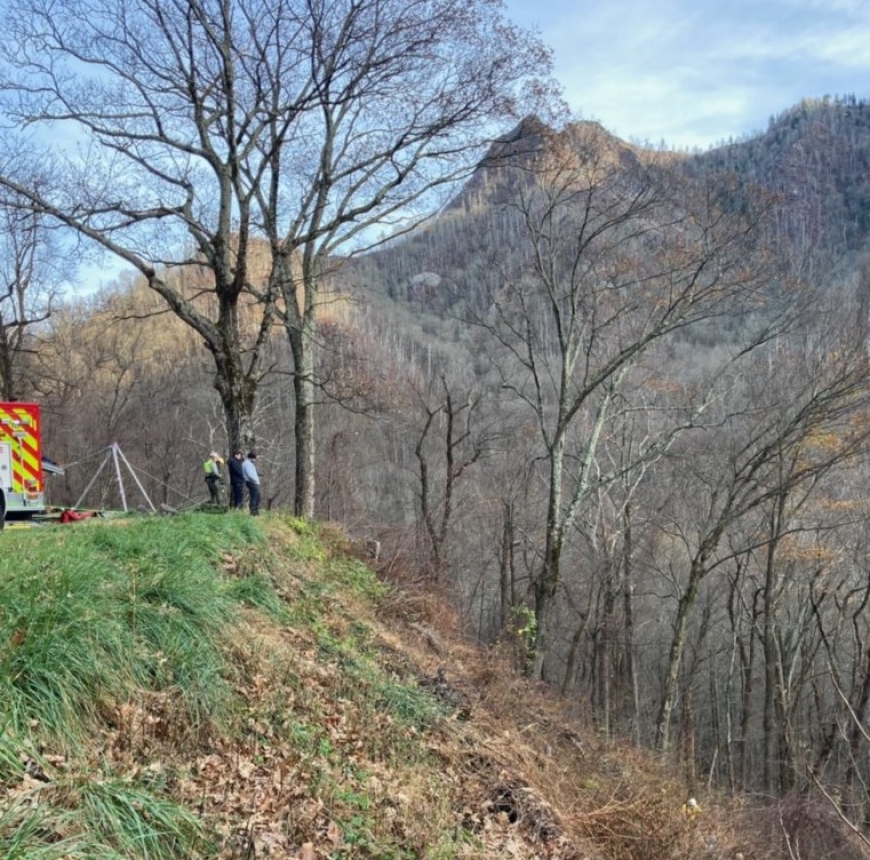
(695, 75)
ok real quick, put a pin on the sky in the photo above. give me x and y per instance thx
(694, 73)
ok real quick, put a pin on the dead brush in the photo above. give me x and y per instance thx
(633, 827)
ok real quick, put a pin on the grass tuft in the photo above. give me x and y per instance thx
(130, 820)
(93, 613)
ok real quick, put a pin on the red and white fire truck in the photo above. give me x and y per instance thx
(22, 481)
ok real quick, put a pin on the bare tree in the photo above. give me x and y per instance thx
(170, 101)
(405, 94)
(450, 441)
(30, 284)
(617, 255)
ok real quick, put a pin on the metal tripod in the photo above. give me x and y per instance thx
(116, 456)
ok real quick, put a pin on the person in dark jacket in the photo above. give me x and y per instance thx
(237, 480)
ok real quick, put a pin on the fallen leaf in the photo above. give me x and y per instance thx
(333, 833)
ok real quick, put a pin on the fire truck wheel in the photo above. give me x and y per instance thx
(2, 509)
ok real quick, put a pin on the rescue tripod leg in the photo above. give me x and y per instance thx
(116, 456)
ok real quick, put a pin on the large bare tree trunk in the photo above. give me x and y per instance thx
(631, 703)
(304, 429)
(549, 576)
(303, 499)
(675, 656)
(235, 386)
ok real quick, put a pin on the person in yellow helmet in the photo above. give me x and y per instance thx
(214, 478)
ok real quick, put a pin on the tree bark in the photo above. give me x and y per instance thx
(675, 657)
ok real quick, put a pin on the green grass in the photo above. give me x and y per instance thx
(91, 820)
(90, 614)
(121, 815)
(11, 766)
(91, 618)
(145, 614)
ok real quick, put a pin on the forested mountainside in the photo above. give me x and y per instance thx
(814, 161)
(816, 156)
(438, 267)
(613, 401)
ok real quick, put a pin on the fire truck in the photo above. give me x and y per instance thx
(22, 482)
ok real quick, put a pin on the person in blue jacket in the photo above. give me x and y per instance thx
(252, 482)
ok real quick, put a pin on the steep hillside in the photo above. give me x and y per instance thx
(214, 686)
(440, 268)
(529, 142)
(816, 158)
